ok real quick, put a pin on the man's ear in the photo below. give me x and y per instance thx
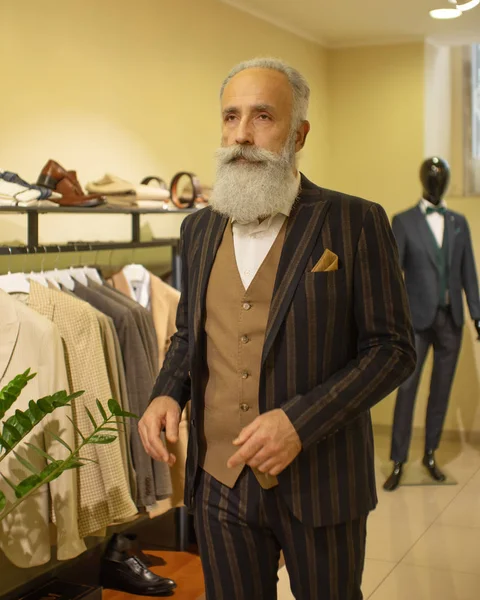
(302, 133)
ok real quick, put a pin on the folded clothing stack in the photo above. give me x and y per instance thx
(15, 191)
(120, 192)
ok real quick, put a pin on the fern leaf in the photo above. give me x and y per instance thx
(77, 429)
(59, 440)
(27, 464)
(101, 410)
(90, 416)
(10, 393)
(40, 452)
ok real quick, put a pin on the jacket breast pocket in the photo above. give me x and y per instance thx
(329, 287)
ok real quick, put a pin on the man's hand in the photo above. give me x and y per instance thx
(163, 413)
(270, 444)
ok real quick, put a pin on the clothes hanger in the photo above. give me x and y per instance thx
(38, 277)
(78, 273)
(134, 271)
(14, 282)
(90, 272)
(61, 276)
(138, 278)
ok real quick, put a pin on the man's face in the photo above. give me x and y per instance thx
(257, 110)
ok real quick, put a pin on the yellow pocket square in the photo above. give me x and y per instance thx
(328, 262)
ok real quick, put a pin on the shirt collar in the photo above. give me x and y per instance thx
(424, 204)
(285, 210)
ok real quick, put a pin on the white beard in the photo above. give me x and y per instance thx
(258, 188)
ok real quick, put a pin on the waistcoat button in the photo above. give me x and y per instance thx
(245, 375)
(245, 339)
(244, 407)
(247, 306)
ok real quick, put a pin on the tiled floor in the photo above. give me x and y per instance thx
(424, 542)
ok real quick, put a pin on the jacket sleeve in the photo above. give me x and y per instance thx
(386, 353)
(469, 277)
(63, 491)
(174, 377)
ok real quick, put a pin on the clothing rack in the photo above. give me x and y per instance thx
(181, 516)
(135, 242)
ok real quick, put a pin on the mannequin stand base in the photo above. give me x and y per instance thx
(414, 474)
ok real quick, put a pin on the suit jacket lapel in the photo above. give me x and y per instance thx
(450, 230)
(204, 258)
(426, 235)
(9, 328)
(304, 225)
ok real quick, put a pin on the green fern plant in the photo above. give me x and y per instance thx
(21, 423)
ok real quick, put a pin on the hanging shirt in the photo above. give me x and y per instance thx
(138, 279)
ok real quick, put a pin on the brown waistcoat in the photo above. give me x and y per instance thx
(235, 325)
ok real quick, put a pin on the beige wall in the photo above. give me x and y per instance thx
(383, 121)
(129, 88)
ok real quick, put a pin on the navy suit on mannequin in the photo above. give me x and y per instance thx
(436, 254)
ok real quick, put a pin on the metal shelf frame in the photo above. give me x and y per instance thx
(135, 242)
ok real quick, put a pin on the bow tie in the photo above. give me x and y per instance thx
(441, 210)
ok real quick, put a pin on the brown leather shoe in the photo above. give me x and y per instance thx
(55, 177)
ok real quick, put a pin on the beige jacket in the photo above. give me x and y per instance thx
(104, 491)
(29, 340)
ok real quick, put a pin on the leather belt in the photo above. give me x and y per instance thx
(159, 180)
(197, 195)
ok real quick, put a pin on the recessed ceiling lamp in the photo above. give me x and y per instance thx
(464, 6)
(454, 13)
(446, 13)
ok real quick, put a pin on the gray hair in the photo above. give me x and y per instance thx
(300, 87)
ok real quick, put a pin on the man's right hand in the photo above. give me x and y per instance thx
(163, 413)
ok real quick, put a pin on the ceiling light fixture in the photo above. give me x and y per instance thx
(463, 7)
(446, 13)
(454, 13)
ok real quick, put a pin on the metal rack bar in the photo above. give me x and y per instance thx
(86, 246)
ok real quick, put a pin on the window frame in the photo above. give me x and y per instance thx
(471, 118)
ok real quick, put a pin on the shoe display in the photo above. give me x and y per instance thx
(55, 177)
(393, 481)
(431, 466)
(124, 570)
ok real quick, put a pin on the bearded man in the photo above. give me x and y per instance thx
(293, 322)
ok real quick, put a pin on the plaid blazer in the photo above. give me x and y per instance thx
(336, 344)
(103, 488)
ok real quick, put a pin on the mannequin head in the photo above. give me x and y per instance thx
(435, 177)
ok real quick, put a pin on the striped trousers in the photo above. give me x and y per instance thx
(241, 531)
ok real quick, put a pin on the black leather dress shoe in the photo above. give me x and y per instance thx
(393, 481)
(431, 466)
(124, 571)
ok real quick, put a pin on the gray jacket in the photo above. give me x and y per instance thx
(417, 258)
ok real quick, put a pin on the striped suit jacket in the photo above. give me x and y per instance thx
(336, 344)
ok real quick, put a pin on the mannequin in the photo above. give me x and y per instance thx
(435, 251)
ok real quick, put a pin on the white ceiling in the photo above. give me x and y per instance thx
(337, 23)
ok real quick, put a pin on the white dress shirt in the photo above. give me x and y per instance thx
(436, 221)
(253, 241)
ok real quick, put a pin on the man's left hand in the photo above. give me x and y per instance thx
(270, 444)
